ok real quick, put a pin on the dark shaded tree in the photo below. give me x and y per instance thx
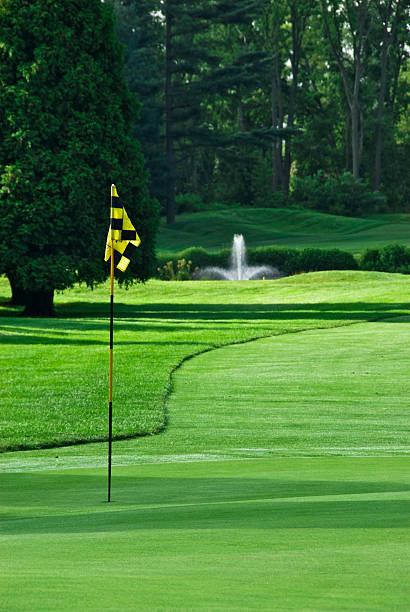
(66, 117)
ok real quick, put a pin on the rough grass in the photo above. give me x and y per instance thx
(56, 369)
(282, 227)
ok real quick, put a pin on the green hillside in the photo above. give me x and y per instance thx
(283, 227)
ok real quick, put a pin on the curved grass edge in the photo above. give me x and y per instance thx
(170, 385)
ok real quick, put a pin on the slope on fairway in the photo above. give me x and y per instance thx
(57, 368)
(341, 391)
(317, 392)
(283, 227)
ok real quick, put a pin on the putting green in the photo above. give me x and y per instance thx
(274, 534)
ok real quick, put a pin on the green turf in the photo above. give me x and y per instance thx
(57, 368)
(273, 534)
(240, 503)
(283, 227)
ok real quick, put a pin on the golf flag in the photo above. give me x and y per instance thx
(122, 236)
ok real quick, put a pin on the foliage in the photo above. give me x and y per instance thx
(66, 116)
(198, 257)
(390, 258)
(344, 195)
(182, 272)
(288, 261)
(266, 90)
(294, 261)
(192, 202)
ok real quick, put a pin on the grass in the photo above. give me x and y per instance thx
(214, 230)
(240, 503)
(57, 368)
(328, 533)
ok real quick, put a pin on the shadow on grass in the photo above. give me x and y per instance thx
(197, 503)
(269, 311)
(183, 318)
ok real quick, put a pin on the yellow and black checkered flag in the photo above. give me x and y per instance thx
(121, 235)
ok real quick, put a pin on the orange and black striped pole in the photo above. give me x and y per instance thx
(122, 238)
(111, 366)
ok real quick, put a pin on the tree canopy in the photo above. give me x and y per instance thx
(66, 119)
(250, 96)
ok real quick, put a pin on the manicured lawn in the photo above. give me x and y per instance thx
(328, 533)
(57, 368)
(282, 227)
(240, 503)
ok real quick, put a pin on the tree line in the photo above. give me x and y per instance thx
(242, 100)
(256, 102)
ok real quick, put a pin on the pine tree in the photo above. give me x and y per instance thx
(66, 117)
(198, 67)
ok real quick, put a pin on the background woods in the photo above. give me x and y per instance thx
(242, 101)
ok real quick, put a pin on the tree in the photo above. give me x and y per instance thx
(139, 27)
(391, 19)
(347, 26)
(66, 117)
(194, 37)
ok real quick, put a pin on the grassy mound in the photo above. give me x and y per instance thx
(283, 227)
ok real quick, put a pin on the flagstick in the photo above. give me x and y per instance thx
(110, 373)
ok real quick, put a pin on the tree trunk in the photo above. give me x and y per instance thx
(348, 156)
(379, 121)
(291, 119)
(277, 122)
(242, 124)
(170, 195)
(194, 171)
(355, 110)
(17, 292)
(39, 303)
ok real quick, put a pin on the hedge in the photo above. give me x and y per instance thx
(287, 261)
(390, 258)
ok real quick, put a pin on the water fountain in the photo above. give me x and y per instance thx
(239, 268)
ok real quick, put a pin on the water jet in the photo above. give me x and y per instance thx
(239, 268)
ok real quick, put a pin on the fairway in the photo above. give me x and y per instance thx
(279, 481)
(282, 227)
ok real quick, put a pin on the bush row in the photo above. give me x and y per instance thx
(342, 195)
(287, 261)
(391, 258)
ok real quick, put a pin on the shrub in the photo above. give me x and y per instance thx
(294, 261)
(181, 273)
(199, 257)
(188, 202)
(390, 258)
(314, 260)
(344, 195)
(192, 202)
(287, 261)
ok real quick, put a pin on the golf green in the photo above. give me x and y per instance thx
(275, 534)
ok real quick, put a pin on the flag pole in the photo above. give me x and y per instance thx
(122, 238)
(111, 365)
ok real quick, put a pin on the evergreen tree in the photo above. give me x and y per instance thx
(65, 122)
(198, 67)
